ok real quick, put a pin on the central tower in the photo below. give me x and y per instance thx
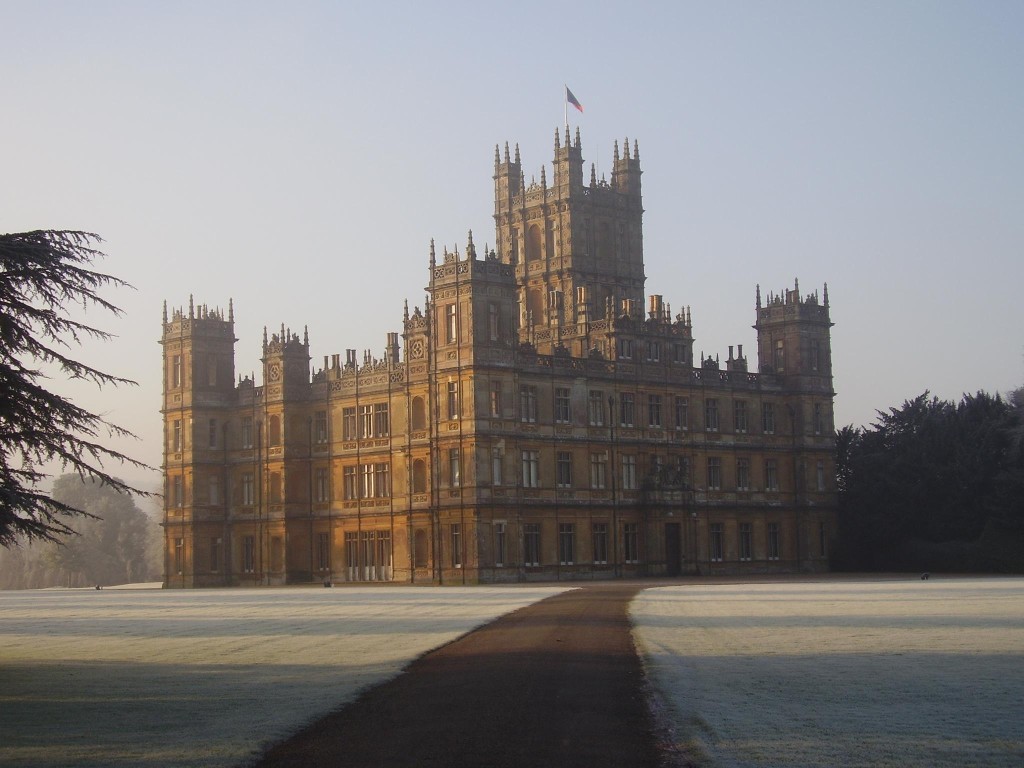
(577, 250)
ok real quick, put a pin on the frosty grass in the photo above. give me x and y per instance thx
(206, 678)
(834, 673)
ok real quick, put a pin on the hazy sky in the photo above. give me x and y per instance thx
(298, 157)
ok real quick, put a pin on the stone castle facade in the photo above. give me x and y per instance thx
(537, 419)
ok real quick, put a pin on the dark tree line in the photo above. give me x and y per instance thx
(934, 485)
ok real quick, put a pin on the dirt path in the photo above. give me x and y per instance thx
(555, 684)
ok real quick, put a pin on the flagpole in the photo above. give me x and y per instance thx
(565, 104)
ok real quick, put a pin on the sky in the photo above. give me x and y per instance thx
(298, 158)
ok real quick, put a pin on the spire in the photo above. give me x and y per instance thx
(497, 157)
(593, 175)
(636, 151)
(265, 340)
(826, 294)
(405, 312)
(470, 248)
(305, 336)
(517, 153)
(191, 307)
(231, 311)
(506, 151)
(577, 137)
(165, 311)
(567, 145)
(758, 295)
(616, 155)
(433, 255)
(543, 177)
(625, 149)
(557, 144)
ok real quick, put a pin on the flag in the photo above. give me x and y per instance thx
(572, 99)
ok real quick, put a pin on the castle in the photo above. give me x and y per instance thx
(535, 420)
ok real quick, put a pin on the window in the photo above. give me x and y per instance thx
(348, 484)
(625, 347)
(348, 423)
(716, 542)
(454, 467)
(247, 489)
(382, 479)
(493, 324)
(323, 552)
(211, 371)
(627, 415)
(631, 542)
(176, 436)
(654, 411)
(820, 474)
(780, 357)
(682, 413)
(714, 473)
(528, 403)
(214, 554)
(456, 545)
(629, 473)
(320, 427)
(176, 371)
(496, 459)
(595, 408)
(819, 419)
(247, 431)
(214, 488)
(531, 544)
(366, 481)
(771, 475)
(496, 399)
(739, 415)
(179, 555)
(822, 539)
(212, 433)
(531, 469)
(598, 470)
(249, 554)
(742, 474)
(499, 544)
(320, 485)
(274, 436)
(562, 410)
(419, 476)
(599, 536)
(654, 351)
(683, 471)
(453, 399)
(178, 491)
(773, 541)
(419, 414)
(566, 543)
(815, 355)
(768, 418)
(451, 324)
(366, 421)
(381, 420)
(563, 466)
(711, 414)
(746, 535)
(679, 352)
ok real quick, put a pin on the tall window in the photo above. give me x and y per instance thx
(382, 479)
(366, 421)
(214, 489)
(176, 371)
(716, 542)
(381, 420)
(247, 489)
(500, 545)
(654, 351)
(349, 483)
(682, 413)
(595, 408)
(247, 431)
(212, 433)
(746, 536)
(631, 542)
(780, 357)
(627, 409)
(739, 414)
(563, 466)
(742, 474)
(820, 476)
(711, 414)
(566, 543)
(214, 554)
(323, 552)
(366, 486)
(599, 537)
(528, 403)
(249, 554)
(773, 541)
(496, 461)
(822, 539)
(496, 399)
(451, 324)
(625, 347)
(628, 472)
(768, 418)
(493, 325)
(320, 484)
(714, 473)
(815, 355)
(456, 545)
(531, 469)
(562, 409)
(654, 411)
(453, 399)
(771, 475)
(679, 352)
(320, 427)
(598, 470)
(531, 544)
(178, 491)
(349, 430)
(454, 467)
(176, 440)
(819, 419)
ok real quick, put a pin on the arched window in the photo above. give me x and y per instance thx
(419, 414)
(535, 304)
(534, 243)
(275, 430)
(419, 476)
(420, 551)
(549, 240)
(275, 487)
